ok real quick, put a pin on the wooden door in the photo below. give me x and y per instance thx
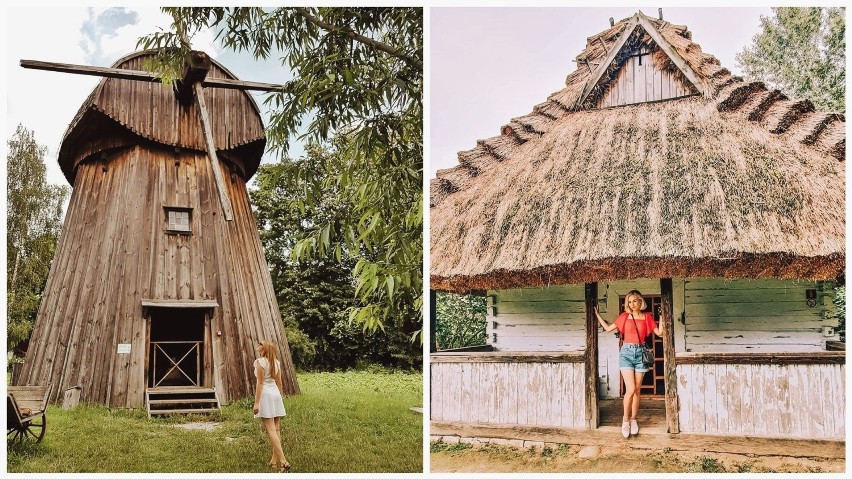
(178, 352)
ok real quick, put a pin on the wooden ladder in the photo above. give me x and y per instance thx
(181, 400)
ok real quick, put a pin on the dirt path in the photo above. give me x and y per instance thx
(493, 458)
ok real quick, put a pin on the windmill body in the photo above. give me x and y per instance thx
(151, 285)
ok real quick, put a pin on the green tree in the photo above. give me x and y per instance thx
(801, 51)
(358, 76)
(840, 310)
(460, 320)
(315, 294)
(33, 223)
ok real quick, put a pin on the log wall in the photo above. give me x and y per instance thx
(754, 316)
(114, 252)
(537, 319)
(803, 401)
(508, 392)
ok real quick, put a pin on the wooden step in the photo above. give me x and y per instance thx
(182, 411)
(181, 401)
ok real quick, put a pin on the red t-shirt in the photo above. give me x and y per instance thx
(644, 323)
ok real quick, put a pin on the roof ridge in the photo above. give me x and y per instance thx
(730, 93)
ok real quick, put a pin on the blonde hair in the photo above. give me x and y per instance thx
(269, 352)
(634, 292)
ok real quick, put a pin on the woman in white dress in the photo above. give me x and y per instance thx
(268, 400)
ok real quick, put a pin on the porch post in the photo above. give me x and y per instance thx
(591, 357)
(669, 365)
(433, 345)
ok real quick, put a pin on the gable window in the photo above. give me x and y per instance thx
(178, 220)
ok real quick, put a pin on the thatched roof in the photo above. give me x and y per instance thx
(736, 181)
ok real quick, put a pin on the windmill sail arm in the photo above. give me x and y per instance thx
(144, 76)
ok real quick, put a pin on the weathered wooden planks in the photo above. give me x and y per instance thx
(114, 253)
(534, 393)
(770, 400)
(641, 81)
(753, 315)
(537, 319)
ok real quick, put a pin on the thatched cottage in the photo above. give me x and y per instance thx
(654, 169)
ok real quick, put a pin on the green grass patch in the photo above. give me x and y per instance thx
(341, 422)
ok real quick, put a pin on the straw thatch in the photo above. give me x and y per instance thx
(738, 182)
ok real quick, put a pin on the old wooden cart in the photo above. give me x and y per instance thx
(26, 413)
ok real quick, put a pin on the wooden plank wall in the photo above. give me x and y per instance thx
(151, 110)
(753, 316)
(642, 82)
(114, 252)
(535, 394)
(537, 319)
(805, 401)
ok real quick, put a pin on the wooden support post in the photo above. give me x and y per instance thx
(211, 153)
(433, 316)
(591, 356)
(669, 365)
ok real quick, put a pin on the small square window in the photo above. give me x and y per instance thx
(178, 220)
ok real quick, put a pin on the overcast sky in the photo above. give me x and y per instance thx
(488, 65)
(46, 102)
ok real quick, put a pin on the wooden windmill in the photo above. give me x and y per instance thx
(159, 283)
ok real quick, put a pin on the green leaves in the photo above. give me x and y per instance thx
(33, 223)
(460, 320)
(802, 52)
(357, 87)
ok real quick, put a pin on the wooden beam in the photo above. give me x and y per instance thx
(816, 357)
(507, 357)
(433, 320)
(592, 416)
(179, 303)
(140, 75)
(666, 47)
(195, 69)
(703, 443)
(599, 71)
(211, 153)
(670, 363)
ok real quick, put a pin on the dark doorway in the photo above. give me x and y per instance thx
(176, 347)
(654, 382)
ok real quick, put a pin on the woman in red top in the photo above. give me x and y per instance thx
(634, 326)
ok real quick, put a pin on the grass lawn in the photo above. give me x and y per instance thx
(341, 422)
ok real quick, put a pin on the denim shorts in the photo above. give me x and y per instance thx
(630, 358)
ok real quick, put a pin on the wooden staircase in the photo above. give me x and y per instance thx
(181, 400)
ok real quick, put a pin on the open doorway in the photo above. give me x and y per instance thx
(654, 381)
(177, 354)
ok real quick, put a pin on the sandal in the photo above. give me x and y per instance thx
(285, 467)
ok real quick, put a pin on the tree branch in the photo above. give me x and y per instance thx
(348, 33)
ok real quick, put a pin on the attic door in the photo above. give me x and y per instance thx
(643, 79)
(178, 347)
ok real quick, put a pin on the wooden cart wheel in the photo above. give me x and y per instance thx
(30, 432)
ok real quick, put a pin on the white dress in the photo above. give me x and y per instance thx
(271, 403)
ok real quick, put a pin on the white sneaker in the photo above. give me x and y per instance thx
(634, 427)
(625, 429)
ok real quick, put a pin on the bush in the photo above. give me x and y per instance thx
(460, 320)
